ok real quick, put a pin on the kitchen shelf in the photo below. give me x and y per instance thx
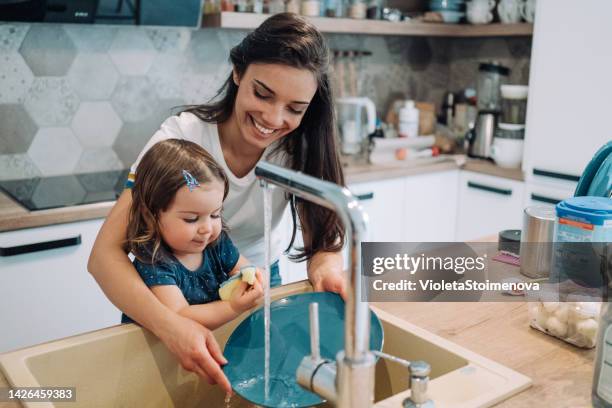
(249, 21)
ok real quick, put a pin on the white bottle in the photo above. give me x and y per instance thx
(408, 120)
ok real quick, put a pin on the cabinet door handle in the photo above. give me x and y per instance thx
(543, 199)
(553, 174)
(40, 246)
(365, 196)
(490, 189)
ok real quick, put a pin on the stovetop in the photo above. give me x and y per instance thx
(41, 193)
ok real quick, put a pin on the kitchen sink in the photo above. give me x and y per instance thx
(126, 366)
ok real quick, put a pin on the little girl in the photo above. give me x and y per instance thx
(176, 234)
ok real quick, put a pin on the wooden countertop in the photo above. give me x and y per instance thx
(13, 216)
(562, 374)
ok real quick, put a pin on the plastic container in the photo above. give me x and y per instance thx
(584, 219)
(581, 251)
(573, 322)
(408, 120)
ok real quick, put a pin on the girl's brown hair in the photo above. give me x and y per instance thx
(289, 39)
(158, 177)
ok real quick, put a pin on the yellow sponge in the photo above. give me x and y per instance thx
(246, 274)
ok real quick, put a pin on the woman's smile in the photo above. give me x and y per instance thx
(263, 131)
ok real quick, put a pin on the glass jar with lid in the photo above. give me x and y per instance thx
(293, 6)
(311, 8)
(357, 9)
(276, 6)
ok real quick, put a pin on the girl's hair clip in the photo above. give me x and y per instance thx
(190, 180)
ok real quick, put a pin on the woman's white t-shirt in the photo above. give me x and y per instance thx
(243, 208)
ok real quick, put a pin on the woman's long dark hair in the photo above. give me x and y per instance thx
(288, 39)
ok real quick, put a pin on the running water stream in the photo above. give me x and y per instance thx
(267, 201)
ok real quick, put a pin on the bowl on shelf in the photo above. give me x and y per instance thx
(446, 5)
(452, 17)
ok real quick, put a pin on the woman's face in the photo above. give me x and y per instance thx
(271, 101)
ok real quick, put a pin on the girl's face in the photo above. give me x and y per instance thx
(271, 101)
(193, 220)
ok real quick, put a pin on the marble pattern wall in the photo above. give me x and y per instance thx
(83, 98)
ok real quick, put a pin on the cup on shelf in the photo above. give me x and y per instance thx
(509, 11)
(528, 10)
(480, 11)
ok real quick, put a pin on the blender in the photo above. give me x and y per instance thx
(491, 76)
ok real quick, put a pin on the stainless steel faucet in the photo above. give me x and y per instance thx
(349, 382)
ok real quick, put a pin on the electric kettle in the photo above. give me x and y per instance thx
(357, 119)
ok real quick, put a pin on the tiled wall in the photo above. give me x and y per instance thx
(83, 98)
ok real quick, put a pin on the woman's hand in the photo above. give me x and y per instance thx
(246, 296)
(197, 350)
(325, 273)
(329, 281)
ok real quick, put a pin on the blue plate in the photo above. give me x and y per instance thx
(289, 343)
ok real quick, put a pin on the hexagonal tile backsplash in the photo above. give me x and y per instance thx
(85, 98)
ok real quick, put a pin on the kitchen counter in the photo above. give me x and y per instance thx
(13, 216)
(561, 373)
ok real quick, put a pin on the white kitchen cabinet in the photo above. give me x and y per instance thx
(48, 294)
(383, 201)
(487, 205)
(415, 208)
(569, 87)
(430, 207)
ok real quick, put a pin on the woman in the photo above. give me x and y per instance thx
(276, 106)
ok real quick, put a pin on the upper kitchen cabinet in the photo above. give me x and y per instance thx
(568, 114)
(136, 12)
(249, 21)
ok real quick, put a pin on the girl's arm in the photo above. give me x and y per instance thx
(193, 344)
(213, 314)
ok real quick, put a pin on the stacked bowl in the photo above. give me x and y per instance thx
(451, 10)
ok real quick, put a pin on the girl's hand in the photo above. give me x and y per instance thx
(246, 296)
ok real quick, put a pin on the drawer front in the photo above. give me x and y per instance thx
(487, 205)
(546, 195)
(48, 294)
